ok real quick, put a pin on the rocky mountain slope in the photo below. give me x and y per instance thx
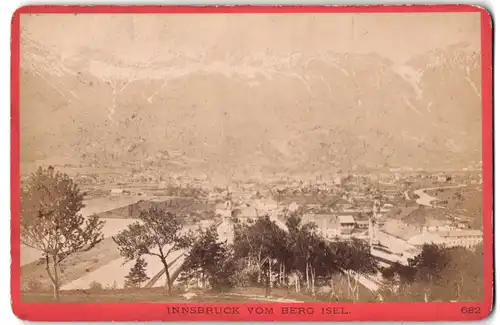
(245, 113)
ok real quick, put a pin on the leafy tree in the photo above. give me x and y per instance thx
(312, 256)
(469, 275)
(461, 278)
(137, 275)
(354, 259)
(210, 260)
(439, 273)
(158, 234)
(262, 243)
(309, 253)
(403, 292)
(51, 222)
(430, 262)
(293, 223)
(404, 273)
(304, 243)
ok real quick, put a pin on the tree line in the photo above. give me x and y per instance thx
(263, 254)
(438, 273)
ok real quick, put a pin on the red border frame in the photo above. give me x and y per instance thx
(357, 311)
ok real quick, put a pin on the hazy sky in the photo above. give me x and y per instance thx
(138, 38)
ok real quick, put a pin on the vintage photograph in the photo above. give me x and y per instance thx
(202, 158)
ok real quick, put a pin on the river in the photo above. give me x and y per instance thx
(425, 199)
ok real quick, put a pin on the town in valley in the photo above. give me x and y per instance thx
(392, 215)
(253, 162)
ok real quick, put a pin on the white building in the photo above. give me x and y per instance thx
(464, 238)
(389, 240)
(398, 241)
(425, 238)
(451, 238)
(438, 225)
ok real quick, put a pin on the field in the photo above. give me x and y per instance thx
(105, 248)
(171, 204)
(113, 226)
(463, 202)
(100, 204)
(449, 193)
(158, 295)
(113, 274)
(126, 296)
(29, 255)
(104, 259)
(75, 266)
(102, 264)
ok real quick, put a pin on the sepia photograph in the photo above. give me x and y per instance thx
(251, 158)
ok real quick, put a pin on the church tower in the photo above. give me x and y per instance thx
(376, 222)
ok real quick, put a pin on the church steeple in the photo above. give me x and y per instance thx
(375, 223)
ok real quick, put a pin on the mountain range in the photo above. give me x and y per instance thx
(241, 113)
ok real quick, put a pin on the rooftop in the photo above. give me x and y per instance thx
(322, 220)
(436, 223)
(401, 213)
(399, 229)
(250, 211)
(460, 233)
(425, 238)
(346, 219)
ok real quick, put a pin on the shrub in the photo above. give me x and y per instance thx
(95, 286)
(246, 277)
(33, 285)
(113, 286)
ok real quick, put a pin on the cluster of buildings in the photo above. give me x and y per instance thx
(251, 209)
(392, 238)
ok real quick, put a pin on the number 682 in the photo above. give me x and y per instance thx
(470, 310)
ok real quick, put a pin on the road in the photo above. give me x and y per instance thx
(425, 199)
